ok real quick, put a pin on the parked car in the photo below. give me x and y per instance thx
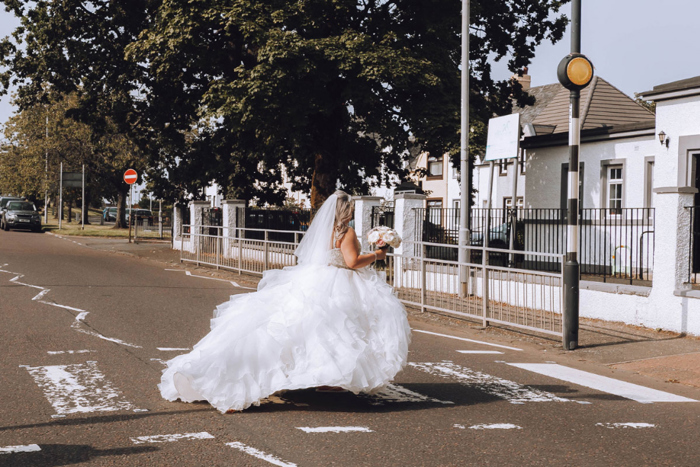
(6, 199)
(110, 214)
(20, 215)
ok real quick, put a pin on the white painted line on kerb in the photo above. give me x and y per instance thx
(80, 388)
(170, 438)
(468, 340)
(626, 425)
(601, 383)
(61, 352)
(260, 455)
(171, 349)
(509, 390)
(481, 352)
(335, 429)
(26, 448)
(492, 426)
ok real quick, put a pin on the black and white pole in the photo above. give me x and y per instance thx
(575, 72)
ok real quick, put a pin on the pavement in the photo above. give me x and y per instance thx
(664, 356)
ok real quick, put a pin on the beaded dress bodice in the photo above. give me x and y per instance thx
(335, 256)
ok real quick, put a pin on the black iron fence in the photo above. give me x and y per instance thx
(615, 243)
(275, 219)
(383, 215)
(694, 239)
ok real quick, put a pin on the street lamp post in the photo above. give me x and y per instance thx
(465, 178)
(575, 72)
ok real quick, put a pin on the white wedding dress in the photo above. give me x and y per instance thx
(315, 324)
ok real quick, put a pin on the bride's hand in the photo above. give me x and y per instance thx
(381, 254)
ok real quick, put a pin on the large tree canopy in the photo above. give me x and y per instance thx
(329, 90)
(241, 91)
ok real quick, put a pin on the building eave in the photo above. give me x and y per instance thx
(592, 135)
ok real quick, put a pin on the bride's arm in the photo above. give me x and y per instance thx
(351, 253)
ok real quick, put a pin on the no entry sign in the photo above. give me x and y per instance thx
(130, 176)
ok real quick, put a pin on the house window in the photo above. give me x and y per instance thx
(523, 156)
(615, 183)
(435, 167)
(508, 202)
(435, 211)
(455, 172)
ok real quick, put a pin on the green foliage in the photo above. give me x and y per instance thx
(239, 92)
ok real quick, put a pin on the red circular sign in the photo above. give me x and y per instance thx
(130, 176)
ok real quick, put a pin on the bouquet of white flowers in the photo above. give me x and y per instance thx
(383, 237)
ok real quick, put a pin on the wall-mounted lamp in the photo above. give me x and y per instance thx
(663, 139)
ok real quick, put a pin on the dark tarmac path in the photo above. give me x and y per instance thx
(84, 334)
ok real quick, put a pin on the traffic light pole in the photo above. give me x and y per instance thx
(570, 321)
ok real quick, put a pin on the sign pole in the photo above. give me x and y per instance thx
(130, 210)
(82, 212)
(46, 175)
(60, 199)
(464, 255)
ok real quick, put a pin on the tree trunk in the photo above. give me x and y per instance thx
(322, 182)
(86, 212)
(70, 210)
(120, 223)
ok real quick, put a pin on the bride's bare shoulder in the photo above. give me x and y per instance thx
(350, 235)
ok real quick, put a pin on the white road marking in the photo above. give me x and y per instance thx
(396, 393)
(601, 383)
(79, 388)
(481, 352)
(78, 326)
(61, 352)
(499, 387)
(467, 340)
(170, 438)
(66, 307)
(171, 349)
(141, 410)
(210, 278)
(25, 448)
(335, 429)
(260, 455)
(162, 362)
(493, 426)
(626, 425)
(41, 294)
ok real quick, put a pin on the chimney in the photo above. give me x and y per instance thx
(524, 80)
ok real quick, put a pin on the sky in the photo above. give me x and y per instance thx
(633, 44)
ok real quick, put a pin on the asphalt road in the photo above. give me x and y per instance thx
(84, 333)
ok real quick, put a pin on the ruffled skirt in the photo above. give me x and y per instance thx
(306, 326)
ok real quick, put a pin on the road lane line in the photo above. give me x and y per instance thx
(492, 426)
(66, 307)
(481, 352)
(14, 449)
(188, 273)
(626, 425)
(396, 393)
(78, 388)
(171, 349)
(260, 455)
(509, 390)
(77, 326)
(170, 438)
(601, 383)
(467, 340)
(41, 294)
(335, 429)
(61, 352)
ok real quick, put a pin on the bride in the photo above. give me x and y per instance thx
(329, 321)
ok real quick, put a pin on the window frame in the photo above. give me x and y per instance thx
(434, 160)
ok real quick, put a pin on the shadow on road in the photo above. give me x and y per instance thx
(66, 454)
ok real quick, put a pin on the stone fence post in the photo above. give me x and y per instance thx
(363, 216)
(233, 216)
(406, 222)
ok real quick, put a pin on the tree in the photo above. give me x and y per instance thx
(77, 47)
(327, 90)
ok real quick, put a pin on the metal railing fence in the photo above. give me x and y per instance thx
(492, 293)
(152, 229)
(234, 249)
